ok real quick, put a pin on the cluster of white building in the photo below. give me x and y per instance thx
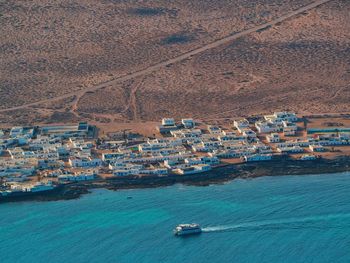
(70, 154)
(156, 157)
(278, 122)
(28, 151)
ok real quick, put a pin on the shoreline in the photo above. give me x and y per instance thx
(218, 175)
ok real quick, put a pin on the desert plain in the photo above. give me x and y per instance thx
(127, 63)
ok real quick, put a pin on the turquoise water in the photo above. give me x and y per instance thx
(270, 219)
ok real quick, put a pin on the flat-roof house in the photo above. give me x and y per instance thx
(188, 123)
(168, 124)
(107, 157)
(127, 169)
(77, 177)
(154, 171)
(289, 128)
(193, 169)
(257, 157)
(290, 149)
(241, 124)
(273, 137)
(249, 133)
(316, 148)
(263, 148)
(15, 131)
(50, 164)
(203, 160)
(186, 133)
(214, 129)
(84, 162)
(80, 130)
(231, 138)
(307, 157)
(282, 116)
(18, 132)
(267, 127)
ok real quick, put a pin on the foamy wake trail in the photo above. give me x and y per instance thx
(310, 221)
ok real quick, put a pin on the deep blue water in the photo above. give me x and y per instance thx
(270, 219)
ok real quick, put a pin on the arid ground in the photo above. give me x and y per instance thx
(112, 61)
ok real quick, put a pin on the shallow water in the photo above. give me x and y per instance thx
(269, 219)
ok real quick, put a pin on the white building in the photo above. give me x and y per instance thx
(188, 123)
(249, 133)
(268, 127)
(126, 172)
(205, 146)
(289, 128)
(78, 177)
(273, 137)
(200, 168)
(214, 129)
(282, 116)
(241, 124)
(168, 122)
(84, 162)
(186, 133)
(231, 138)
(316, 148)
(290, 149)
(154, 171)
(107, 157)
(307, 157)
(202, 160)
(257, 157)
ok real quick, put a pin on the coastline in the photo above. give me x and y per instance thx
(218, 175)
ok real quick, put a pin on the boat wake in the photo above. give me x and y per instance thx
(321, 222)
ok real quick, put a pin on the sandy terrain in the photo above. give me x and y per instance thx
(50, 49)
(301, 65)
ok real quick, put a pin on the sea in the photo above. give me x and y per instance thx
(268, 219)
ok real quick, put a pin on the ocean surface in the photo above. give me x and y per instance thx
(269, 219)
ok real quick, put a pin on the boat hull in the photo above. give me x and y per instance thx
(187, 232)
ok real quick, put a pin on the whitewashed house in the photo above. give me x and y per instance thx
(77, 177)
(241, 124)
(267, 127)
(282, 116)
(154, 171)
(289, 128)
(273, 137)
(84, 162)
(200, 168)
(316, 148)
(257, 157)
(188, 123)
(214, 129)
(108, 157)
(290, 149)
(168, 122)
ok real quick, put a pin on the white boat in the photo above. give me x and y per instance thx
(187, 229)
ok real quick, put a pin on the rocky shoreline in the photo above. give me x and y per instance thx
(220, 174)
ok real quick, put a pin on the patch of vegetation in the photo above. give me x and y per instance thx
(146, 11)
(59, 116)
(177, 39)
